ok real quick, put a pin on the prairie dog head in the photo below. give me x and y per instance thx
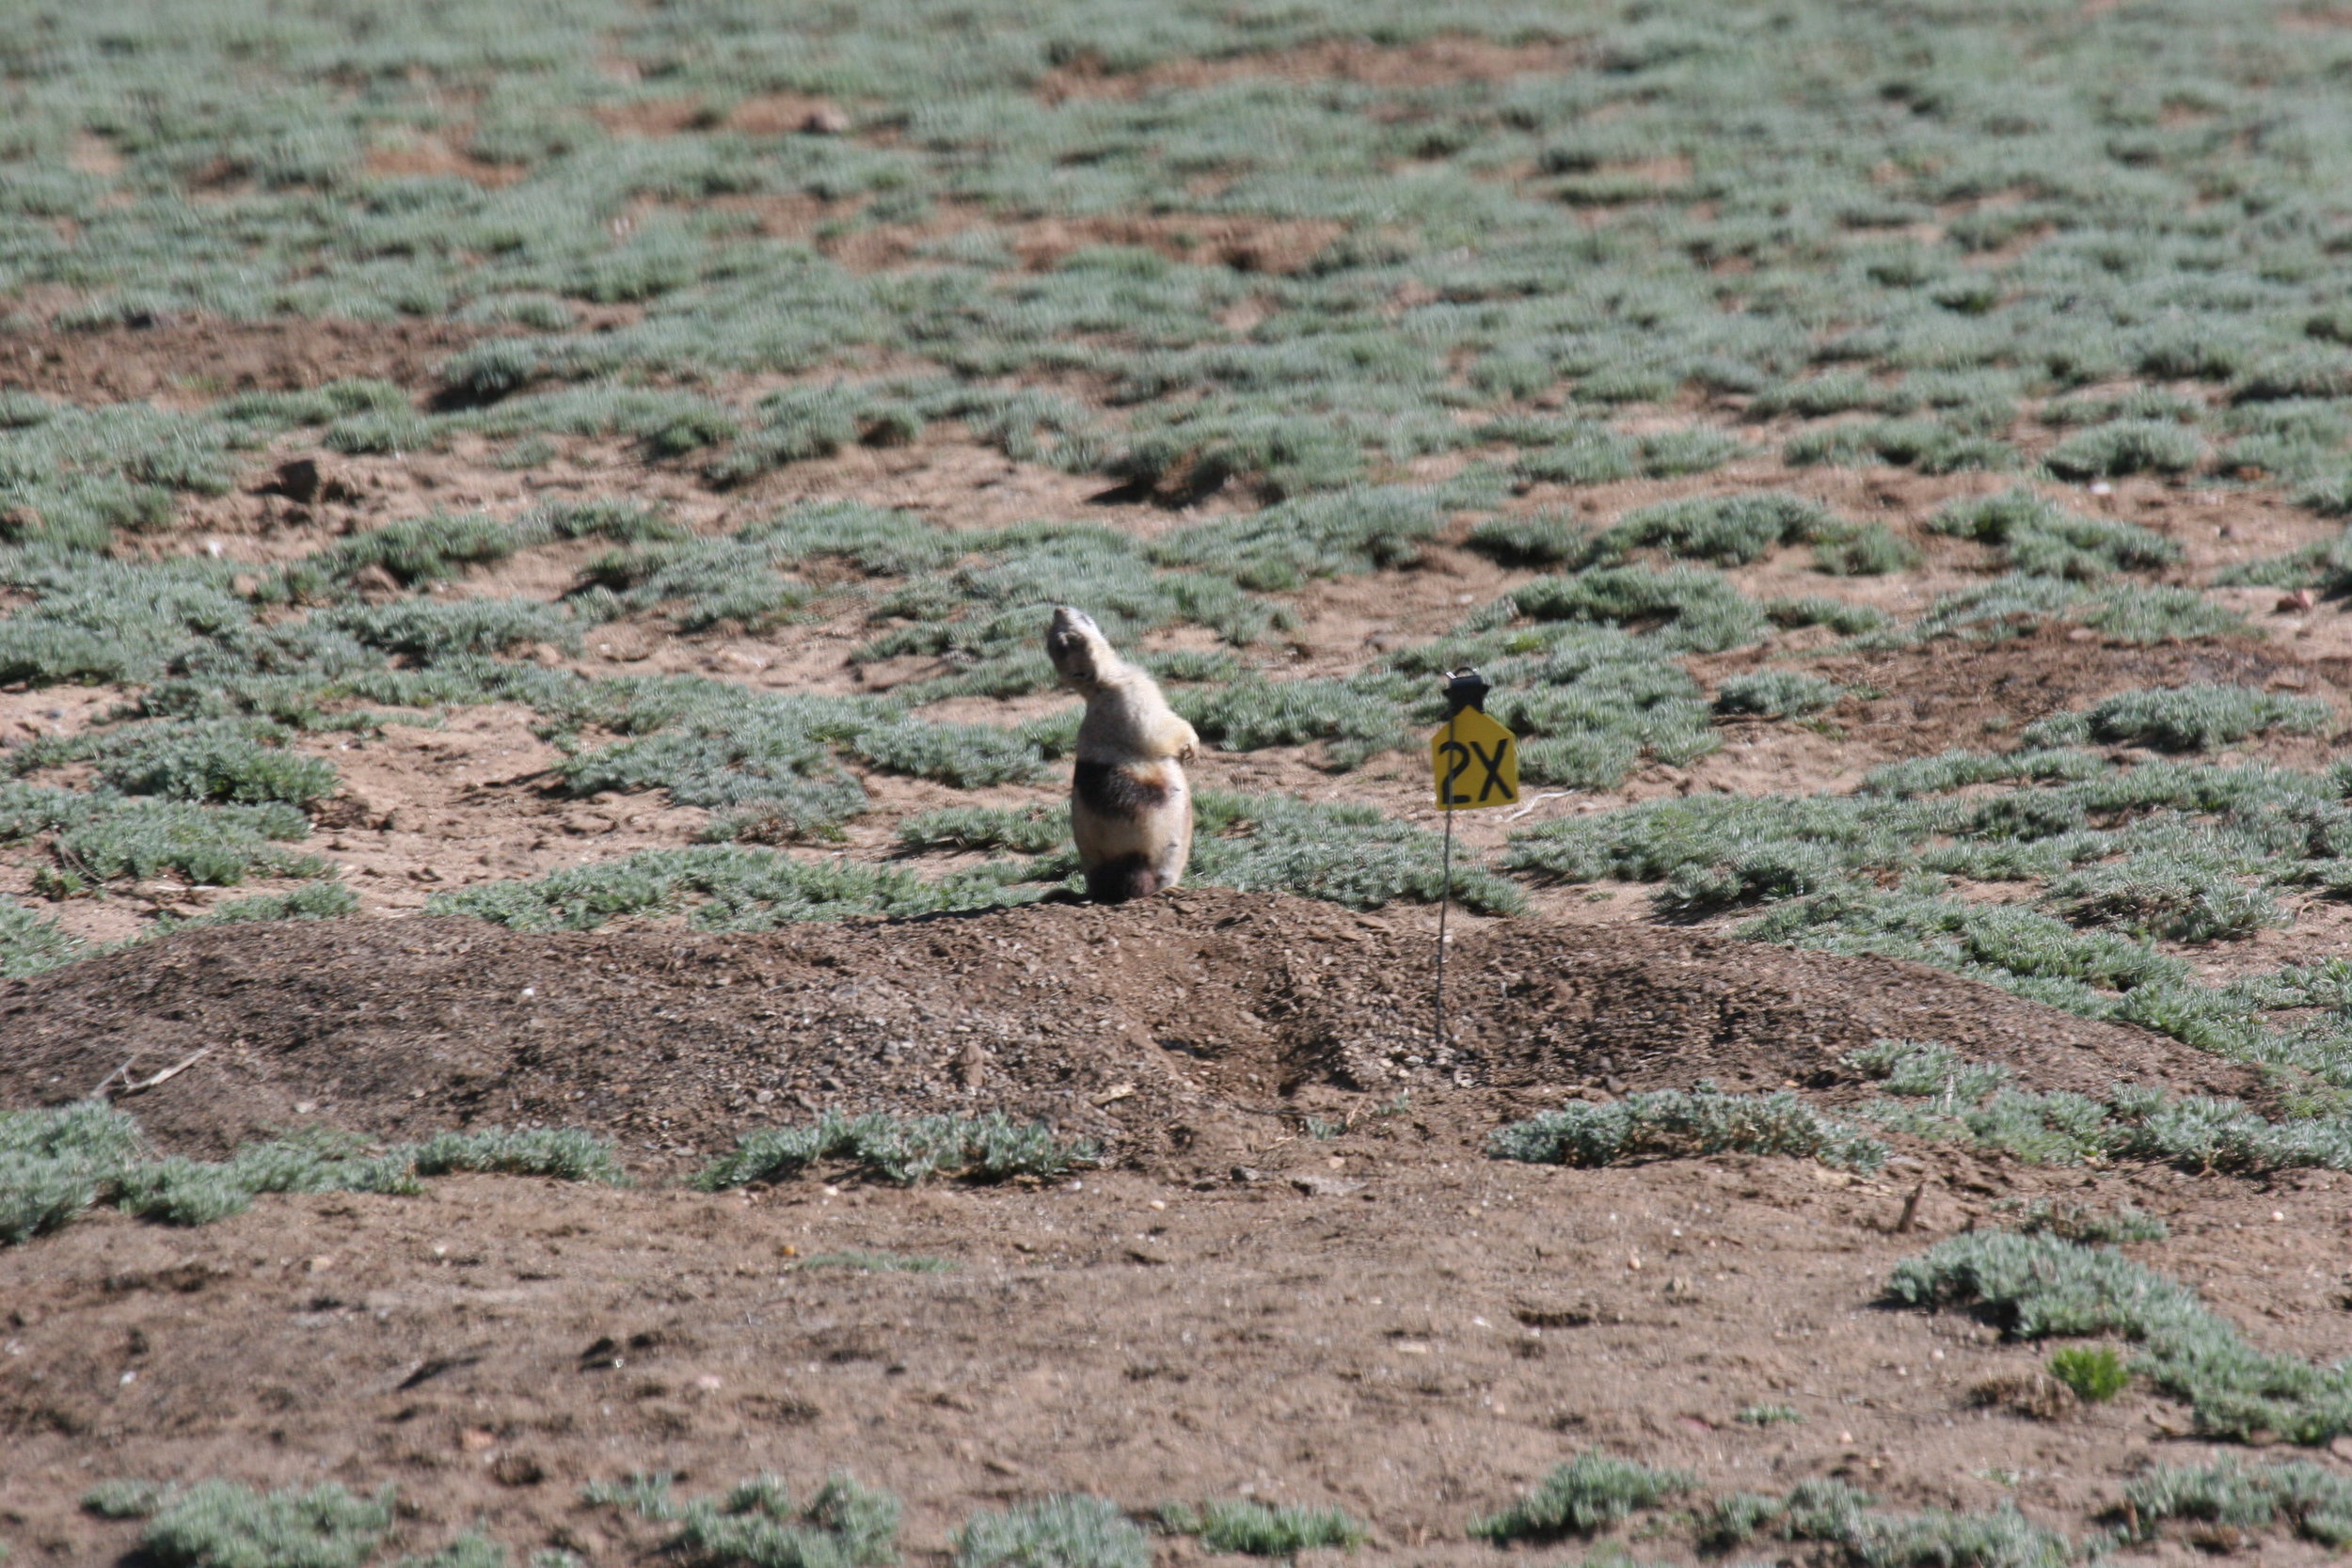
(1081, 655)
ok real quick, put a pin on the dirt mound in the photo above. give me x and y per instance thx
(1148, 1025)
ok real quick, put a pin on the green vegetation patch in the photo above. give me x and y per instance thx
(725, 888)
(1941, 1097)
(2040, 538)
(1590, 1492)
(1259, 1530)
(54, 1165)
(756, 1525)
(863, 1262)
(2095, 1373)
(1721, 530)
(1072, 1531)
(1834, 1513)
(1673, 1124)
(904, 1149)
(1348, 854)
(2314, 1502)
(1777, 693)
(2182, 719)
(2042, 1287)
(31, 942)
(220, 1524)
(2085, 1226)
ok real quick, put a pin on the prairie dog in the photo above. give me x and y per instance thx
(1129, 807)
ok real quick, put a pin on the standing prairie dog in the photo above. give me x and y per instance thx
(1129, 808)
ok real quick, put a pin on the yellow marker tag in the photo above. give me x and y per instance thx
(1475, 762)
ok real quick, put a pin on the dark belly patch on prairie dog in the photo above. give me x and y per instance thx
(1117, 790)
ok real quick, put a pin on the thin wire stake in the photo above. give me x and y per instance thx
(1463, 687)
(1445, 897)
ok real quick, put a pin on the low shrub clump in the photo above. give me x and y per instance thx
(54, 1165)
(2041, 538)
(1721, 530)
(219, 1524)
(1970, 1103)
(904, 1149)
(1830, 1511)
(2040, 1287)
(722, 887)
(218, 763)
(2182, 719)
(758, 1526)
(1669, 1123)
(2095, 1373)
(1348, 854)
(1075, 1532)
(1258, 1531)
(1589, 1492)
(2316, 1502)
(31, 943)
(1777, 693)
(2074, 1221)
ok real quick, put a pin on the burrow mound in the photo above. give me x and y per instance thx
(1149, 1025)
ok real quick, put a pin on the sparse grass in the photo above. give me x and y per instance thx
(1032, 832)
(1951, 1098)
(1847, 620)
(2040, 538)
(1545, 539)
(2166, 896)
(2316, 1503)
(220, 763)
(1258, 1531)
(904, 1149)
(31, 943)
(2126, 447)
(1688, 609)
(2073, 1222)
(1721, 530)
(1591, 1491)
(316, 901)
(1777, 693)
(219, 1524)
(862, 1261)
(1348, 854)
(1670, 1123)
(2182, 719)
(1769, 1415)
(413, 552)
(1075, 1532)
(756, 1525)
(2040, 1287)
(722, 887)
(2095, 1373)
(55, 1164)
(1834, 1513)
(1872, 549)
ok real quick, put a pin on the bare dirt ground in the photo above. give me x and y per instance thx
(1369, 1313)
(1366, 1313)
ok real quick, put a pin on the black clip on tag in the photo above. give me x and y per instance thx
(1465, 688)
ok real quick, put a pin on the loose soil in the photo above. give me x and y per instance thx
(1360, 1309)
(198, 360)
(1296, 1275)
(1172, 1031)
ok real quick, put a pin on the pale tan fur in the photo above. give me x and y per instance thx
(1130, 731)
